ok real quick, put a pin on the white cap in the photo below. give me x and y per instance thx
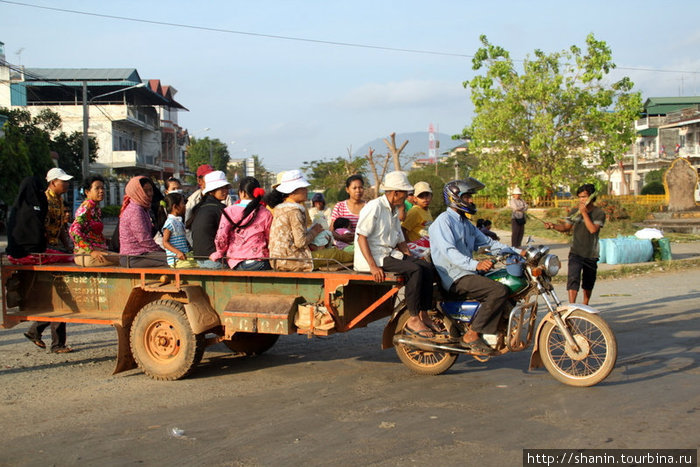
(214, 180)
(396, 181)
(57, 173)
(292, 180)
(421, 187)
(517, 191)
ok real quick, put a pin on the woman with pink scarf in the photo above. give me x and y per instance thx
(137, 249)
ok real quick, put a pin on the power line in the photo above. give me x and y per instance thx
(244, 33)
(297, 39)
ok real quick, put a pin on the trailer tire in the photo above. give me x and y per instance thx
(249, 343)
(163, 343)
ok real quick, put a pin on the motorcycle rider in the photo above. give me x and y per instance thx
(453, 241)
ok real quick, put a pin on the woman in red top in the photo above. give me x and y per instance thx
(86, 230)
(350, 208)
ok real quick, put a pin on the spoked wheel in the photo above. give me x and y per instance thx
(595, 357)
(424, 362)
(162, 341)
(249, 343)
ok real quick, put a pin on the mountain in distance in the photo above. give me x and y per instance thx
(417, 143)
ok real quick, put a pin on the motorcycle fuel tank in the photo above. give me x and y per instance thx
(515, 284)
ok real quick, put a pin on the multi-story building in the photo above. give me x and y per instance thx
(134, 121)
(669, 128)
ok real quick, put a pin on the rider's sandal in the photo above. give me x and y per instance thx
(478, 347)
(422, 334)
(437, 330)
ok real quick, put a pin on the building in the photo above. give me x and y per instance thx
(124, 115)
(669, 128)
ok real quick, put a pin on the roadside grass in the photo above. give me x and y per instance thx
(640, 269)
(535, 228)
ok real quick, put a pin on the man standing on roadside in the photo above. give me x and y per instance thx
(58, 185)
(586, 220)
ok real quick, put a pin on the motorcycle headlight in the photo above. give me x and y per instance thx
(551, 265)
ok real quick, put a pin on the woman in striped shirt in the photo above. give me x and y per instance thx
(350, 208)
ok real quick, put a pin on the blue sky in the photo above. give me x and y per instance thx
(294, 101)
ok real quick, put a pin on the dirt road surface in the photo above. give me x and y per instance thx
(343, 401)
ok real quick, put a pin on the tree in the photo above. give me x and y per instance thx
(70, 152)
(550, 124)
(394, 150)
(14, 160)
(330, 175)
(36, 135)
(207, 151)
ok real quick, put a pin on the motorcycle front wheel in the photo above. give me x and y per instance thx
(423, 362)
(596, 355)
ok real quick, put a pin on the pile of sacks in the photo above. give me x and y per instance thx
(646, 245)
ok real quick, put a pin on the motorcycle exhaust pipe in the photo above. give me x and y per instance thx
(427, 345)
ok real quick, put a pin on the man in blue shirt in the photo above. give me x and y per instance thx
(453, 241)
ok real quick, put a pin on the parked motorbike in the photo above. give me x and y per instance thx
(572, 341)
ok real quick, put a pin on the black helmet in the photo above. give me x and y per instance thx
(454, 190)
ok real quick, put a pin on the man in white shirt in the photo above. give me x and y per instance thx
(380, 247)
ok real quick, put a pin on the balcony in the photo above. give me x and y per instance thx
(649, 122)
(143, 117)
(123, 159)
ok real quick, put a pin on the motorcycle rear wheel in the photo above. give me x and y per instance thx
(422, 362)
(595, 359)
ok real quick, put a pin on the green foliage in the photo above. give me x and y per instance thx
(640, 212)
(330, 174)
(25, 148)
(536, 128)
(14, 160)
(555, 213)
(207, 151)
(437, 205)
(655, 176)
(614, 210)
(653, 188)
(70, 152)
(111, 210)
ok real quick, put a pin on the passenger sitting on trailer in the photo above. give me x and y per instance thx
(86, 231)
(137, 249)
(289, 238)
(380, 246)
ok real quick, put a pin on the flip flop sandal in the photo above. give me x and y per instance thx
(38, 342)
(62, 350)
(437, 330)
(419, 334)
(478, 347)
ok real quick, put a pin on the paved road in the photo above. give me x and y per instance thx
(344, 401)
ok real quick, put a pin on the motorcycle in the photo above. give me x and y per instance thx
(573, 342)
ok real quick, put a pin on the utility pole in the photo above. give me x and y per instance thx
(86, 142)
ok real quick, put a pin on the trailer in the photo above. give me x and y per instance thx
(165, 318)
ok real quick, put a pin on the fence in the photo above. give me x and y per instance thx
(489, 202)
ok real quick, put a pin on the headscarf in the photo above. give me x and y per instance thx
(134, 192)
(25, 226)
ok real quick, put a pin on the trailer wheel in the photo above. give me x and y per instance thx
(250, 343)
(163, 343)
